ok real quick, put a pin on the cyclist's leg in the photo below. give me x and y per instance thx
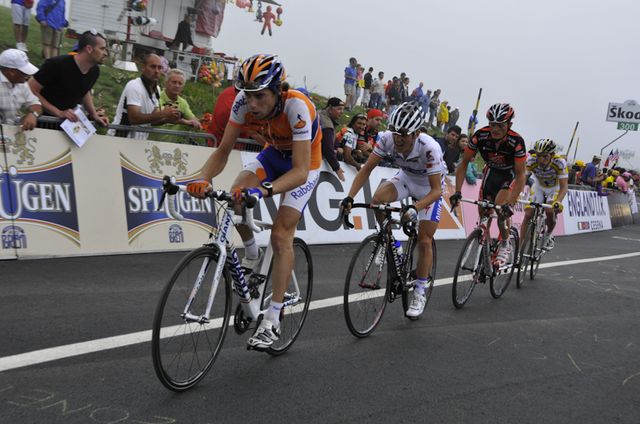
(552, 195)
(528, 213)
(426, 230)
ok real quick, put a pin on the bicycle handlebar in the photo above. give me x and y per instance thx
(383, 207)
(170, 188)
(536, 205)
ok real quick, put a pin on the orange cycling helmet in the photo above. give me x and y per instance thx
(259, 72)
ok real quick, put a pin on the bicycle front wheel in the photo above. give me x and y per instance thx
(185, 343)
(411, 268)
(499, 283)
(537, 252)
(297, 298)
(365, 287)
(526, 256)
(468, 269)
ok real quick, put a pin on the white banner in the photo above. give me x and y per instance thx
(585, 211)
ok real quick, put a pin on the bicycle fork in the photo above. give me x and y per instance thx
(204, 318)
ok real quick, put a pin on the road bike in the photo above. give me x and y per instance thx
(379, 272)
(532, 248)
(475, 262)
(193, 314)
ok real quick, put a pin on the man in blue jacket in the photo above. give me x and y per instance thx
(50, 15)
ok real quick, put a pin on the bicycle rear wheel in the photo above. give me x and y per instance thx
(297, 298)
(526, 256)
(499, 283)
(411, 274)
(468, 269)
(185, 348)
(365, 288)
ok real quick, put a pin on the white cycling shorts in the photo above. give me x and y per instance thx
(409, 188)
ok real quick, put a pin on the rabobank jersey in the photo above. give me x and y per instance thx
(425, 158)
(549, 176)
(298, 121)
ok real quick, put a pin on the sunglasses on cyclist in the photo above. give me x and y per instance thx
(248, 85)
(401, 131)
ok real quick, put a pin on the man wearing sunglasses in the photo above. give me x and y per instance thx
(504, 177)
(550, 184)
(420, 177)
(286, 123)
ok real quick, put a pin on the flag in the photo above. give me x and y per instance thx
(616, 157)
(608, 161)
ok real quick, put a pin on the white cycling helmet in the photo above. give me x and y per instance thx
(545, 145)
(407, 118)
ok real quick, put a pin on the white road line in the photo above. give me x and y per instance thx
(67, 351)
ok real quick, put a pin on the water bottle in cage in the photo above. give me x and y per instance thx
(398, 247)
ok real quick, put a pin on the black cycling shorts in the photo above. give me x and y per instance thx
(495, 180)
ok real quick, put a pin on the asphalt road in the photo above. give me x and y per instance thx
(564, 349)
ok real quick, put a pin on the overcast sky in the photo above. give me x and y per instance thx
(555, 61)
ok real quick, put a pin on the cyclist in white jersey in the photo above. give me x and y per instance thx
(419, 158)
(550, 185)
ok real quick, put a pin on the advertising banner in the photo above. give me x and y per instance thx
(321, 222)
(585, 211)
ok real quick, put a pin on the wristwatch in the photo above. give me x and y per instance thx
(36, 114)
(269, 187)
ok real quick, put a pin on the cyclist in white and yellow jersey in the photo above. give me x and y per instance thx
(550, 184)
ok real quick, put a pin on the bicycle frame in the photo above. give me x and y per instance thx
(228, 256)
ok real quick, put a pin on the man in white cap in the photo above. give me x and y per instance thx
(589, 175)
(15, 94)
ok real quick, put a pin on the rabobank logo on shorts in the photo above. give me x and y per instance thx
(305, 189)
(41, 195)
(142, 194)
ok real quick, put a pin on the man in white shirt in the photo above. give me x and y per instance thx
(139, 101)
(15, 94)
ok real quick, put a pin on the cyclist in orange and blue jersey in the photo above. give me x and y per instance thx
(286, 123)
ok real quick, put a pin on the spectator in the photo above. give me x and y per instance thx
(443, 115)
(350, 139)
(452, 149)
(64, 82)
(359, 85)
(221, 113)
(329, 119)
(374, 121)
(50, 15)
(366, 91)
(140, 100)
(405, 89)
(434, 103)
(350, 79)
(417, 94)
(622, 182)
(424, 102)
(377, 92)
(463, 141)
(182, 39)
(394, 95)
(454, 115)
(171, 96)
(15, 94)
(473, 122)
(21, 15)
(589, 175)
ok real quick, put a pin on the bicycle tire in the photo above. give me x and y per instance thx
(460, 292)
(365, 295)
(537, 251)
(172, 337)
(525, 256)
(292, 317)
(412, 274)
(499, 283)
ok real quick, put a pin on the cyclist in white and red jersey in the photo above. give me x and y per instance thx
(287, 124)
(550, 185)
(504, 153)
(419, 158)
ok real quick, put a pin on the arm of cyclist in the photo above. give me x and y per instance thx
(361, 177)
(215, 164)
(564, 188)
